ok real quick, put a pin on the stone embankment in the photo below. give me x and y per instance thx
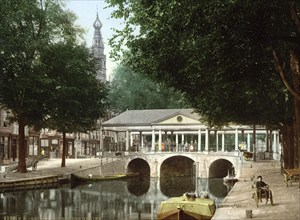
(239, 200)
(52, 168)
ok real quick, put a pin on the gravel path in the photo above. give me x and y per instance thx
(53, 167)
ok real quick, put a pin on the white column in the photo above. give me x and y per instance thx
(159, 140)
(274, 143)
(131, 139)
(153, 141)
(278, 145)
(236, 139)
(116, 137)
(206, 139)
(275, 148)
(176, 140)
(217, 141)
(248, 142)
(182, 138)
(223, 141)
(142, 140)
(199, 140)
(127, 140)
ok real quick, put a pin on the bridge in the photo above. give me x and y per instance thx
(199, 164)
(202, 167)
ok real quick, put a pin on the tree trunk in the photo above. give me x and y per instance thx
(22, 146)
(254, 143)
(295, 68)
(288, 145)
(64, 150)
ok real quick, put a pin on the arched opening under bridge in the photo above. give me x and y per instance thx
(220, 168)
(177, 176)
(140, 166)
(177, 166)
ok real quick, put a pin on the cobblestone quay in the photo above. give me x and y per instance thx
(239, 201)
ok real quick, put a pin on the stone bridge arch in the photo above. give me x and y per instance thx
(177, 165)
(139, 165)
(220, 168)
(201, 163)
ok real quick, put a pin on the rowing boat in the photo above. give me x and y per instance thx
(90, 177)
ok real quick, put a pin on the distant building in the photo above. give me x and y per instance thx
(98, 50)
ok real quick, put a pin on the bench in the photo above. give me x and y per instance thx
(290, 175)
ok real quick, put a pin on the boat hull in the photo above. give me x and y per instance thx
(89, 178)
(184, 208)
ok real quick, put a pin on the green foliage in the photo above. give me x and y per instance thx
(34, 89)
(218, 53)
(77, 99)
(131, 90)
(26, 28)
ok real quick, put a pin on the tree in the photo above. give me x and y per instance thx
(77, 98)
(26, 28)
(135, 91)
(218, 53)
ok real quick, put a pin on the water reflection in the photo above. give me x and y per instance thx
(136, 198)
(176, 186)
(139, 185)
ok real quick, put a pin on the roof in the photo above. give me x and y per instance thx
(149, 116)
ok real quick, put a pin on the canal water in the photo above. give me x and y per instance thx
(135, 198)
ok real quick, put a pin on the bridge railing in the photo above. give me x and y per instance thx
(168, 147)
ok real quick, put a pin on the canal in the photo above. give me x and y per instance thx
(135, 198)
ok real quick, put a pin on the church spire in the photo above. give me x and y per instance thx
(98, 49)
(97, 23)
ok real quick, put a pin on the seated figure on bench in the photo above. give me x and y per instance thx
(262, 189)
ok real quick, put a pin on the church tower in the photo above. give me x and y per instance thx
(98, 50)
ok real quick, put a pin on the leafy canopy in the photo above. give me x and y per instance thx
(77, 98)
(26, 28)
(217, 52)
(131, 90)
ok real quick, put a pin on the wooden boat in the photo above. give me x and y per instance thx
(90, 177)
(186, 207)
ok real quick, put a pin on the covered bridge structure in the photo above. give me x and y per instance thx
(176, 130)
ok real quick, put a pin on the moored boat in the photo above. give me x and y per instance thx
(90, 177)
(186, 207)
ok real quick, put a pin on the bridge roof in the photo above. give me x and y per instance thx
(170, 119)
(149, 116)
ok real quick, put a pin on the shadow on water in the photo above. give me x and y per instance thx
(176, 186)
(218, 188)
(139, 185)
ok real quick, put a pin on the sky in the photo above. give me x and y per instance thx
(86, 11)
